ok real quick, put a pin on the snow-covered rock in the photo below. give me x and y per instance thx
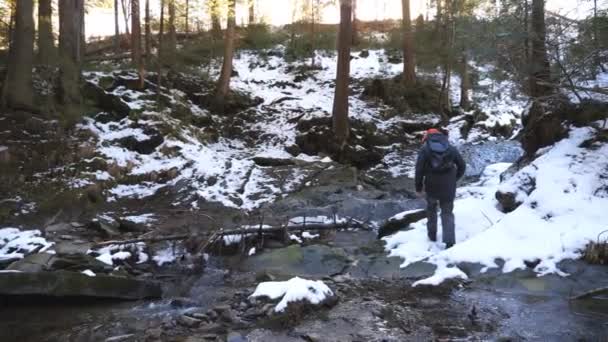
(294, 290)
(554, 221)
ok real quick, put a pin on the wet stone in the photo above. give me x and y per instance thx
(188, 322)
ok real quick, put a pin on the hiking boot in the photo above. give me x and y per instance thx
(449, 245)
(432, 238)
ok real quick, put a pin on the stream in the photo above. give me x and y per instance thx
(376, 300)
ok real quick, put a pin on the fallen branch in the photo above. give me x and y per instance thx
(110, 57)
(592, 293)
(291, 228)
(144, 239)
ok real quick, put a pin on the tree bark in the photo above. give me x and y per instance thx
(540, 68)
(409, 61)
(172, 39)
(251, 20)
(136, 56)
(465, 84)
(125, 12)
(187, 16)
(18, 87)
(223, 85)
(161, 33)
(71, 14)
(46, 44)
(355, 36)
(340, 108)
(216, 26)
(116, 28)
(596, 41)
(148, 33)
(313, 33)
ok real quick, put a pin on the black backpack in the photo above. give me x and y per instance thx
(441, 158)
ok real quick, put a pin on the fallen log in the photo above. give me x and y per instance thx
(591, 293)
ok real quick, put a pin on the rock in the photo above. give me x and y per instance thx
(264, 276)
(127, 225)
(393, 225)
(268, 161)
(508, 200)
(94, 193)
(189, 322)
(294, 150)
(70, 247)
(5, 156)
(32, 263)
(75, 284)
(221, 308)
(120, 338)
(143, 146)
(183, 303)
(213, 328)
(105, 225)
(115, 108)
(200, 316)
(364, 54)
(58, 228)
(235, 337)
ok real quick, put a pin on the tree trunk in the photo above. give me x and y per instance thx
(172, 39)
(596, 41)
(71, 14)
(187, 16)
(216, 25)
(439, 14)
(125, 12)
(340, 109)
(313, 33)
(527, 31)
(136, 57)
(18, 87)
(444, 96)
(46, 44)
(540, 69)
(409, 61)
(355, 36)
(465, 84)
(161, 33)
(251, 20)
(223, 85)
(148, 33)
(116, 28)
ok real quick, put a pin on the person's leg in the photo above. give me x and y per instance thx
(431, 215)
(447, 223)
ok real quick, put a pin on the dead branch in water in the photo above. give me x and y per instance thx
(592, 293)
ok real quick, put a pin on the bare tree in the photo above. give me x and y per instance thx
(223, 84)
(137, 59)
(126, 15)
(187, 16)
(71, 14)
(116, 28)
(355, 36)
(172, 39)
(18, 89)
(216, 26)
(148, 33)
(540, 76)
(465, 83)
(340, 122)
(251, 5)
(46, 44)
(161, 33)
(409, 61)
(596, 41)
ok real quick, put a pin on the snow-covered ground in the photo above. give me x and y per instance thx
(16, 243)
(564, 195)
(223, 170)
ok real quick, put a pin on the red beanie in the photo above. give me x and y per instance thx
(429, 132)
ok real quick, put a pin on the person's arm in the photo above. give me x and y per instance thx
(419, 178)
(460, 164)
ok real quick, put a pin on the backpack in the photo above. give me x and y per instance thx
(441, 158)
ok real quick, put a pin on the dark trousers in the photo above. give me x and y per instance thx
(447, 220)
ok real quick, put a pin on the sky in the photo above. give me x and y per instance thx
(279, 12)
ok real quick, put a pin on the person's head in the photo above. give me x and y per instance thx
(429, 132)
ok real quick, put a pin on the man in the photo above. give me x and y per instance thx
(438, 168)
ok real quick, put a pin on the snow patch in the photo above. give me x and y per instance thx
(293, 290)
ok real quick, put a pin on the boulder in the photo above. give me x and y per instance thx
(508, 200)
(143, 146)
(52, 262)
(105, 225)
(115, 108)
(75, 284)
(268, 161)
(401, 221)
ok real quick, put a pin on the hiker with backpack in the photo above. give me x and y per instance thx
(438, 168)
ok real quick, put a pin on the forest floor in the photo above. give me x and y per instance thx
(133, 169)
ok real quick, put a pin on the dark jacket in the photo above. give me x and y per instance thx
(439, 184)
